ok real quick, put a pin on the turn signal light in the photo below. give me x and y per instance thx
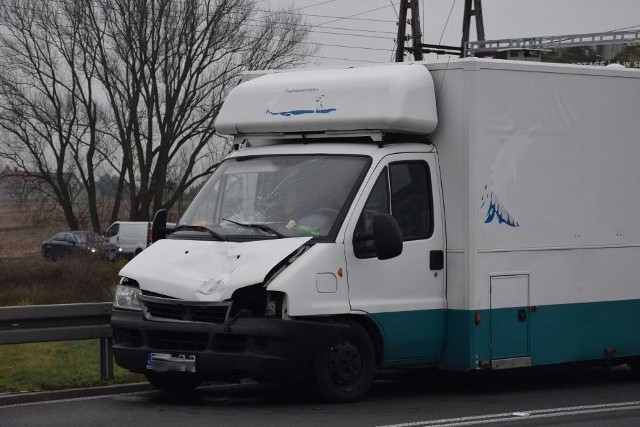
(478, 318)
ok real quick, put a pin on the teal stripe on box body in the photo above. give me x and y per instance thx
(572, 332)
(554, 333)
(466, 343)
(411, 337)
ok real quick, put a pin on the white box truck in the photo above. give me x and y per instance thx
(466, 215)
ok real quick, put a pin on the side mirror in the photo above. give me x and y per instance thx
(387, 236)
(159, 226)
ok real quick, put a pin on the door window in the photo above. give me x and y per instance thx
(411, 203)
(404, 190)
(113, 230)
(378, 202)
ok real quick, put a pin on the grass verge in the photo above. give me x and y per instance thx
(55, 366)
(27, 279)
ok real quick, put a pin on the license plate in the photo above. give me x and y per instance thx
(171, 362)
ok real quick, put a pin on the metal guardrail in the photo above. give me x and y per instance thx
(61, 322)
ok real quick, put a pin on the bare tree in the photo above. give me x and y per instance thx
(47, 110)
(166, 66)
(128, 87)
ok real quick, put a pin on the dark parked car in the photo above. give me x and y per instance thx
(74, 244)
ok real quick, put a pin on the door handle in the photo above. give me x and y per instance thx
(436, 260)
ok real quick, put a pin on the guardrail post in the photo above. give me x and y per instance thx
(62, 322)
(106, 359)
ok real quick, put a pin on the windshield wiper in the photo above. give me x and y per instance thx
(261, 227)
(200, 228)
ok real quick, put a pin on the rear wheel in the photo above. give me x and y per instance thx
(173, 382)
(344, 368)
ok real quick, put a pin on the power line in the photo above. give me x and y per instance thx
(344, 59)
(342, 46)
(337, 18)
(394, 8)
(308, 43)
(58, 12)
(355, 14)
(453, 4)
(333, 28)
(315, 4)
(368, 36)
(623, 28)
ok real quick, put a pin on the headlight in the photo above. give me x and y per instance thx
(127, 296)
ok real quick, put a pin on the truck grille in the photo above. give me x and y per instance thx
(156, 308)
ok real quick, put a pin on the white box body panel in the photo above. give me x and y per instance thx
(557, 149)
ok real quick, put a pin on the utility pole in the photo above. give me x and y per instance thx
(469, 11)
(416, 32)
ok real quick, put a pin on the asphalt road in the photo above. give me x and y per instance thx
(576, 397)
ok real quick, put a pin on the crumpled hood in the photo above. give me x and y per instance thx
(206, 270)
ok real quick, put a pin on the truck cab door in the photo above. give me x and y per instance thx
(405, 295)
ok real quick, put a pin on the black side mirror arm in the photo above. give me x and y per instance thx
(159, 226)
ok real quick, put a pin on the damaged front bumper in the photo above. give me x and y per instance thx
(264, 349)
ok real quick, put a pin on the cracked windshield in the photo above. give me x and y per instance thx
(279, 196)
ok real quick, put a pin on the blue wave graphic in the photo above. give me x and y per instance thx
(301, 112)
(496, 212)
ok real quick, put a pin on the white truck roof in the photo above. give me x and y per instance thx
(390, 98)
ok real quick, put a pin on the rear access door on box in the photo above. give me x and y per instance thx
(510, 321)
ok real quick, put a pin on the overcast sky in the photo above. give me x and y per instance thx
(358, 32)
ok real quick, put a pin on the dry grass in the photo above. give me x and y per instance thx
(36, 281)
(28, 279)
(22, 231)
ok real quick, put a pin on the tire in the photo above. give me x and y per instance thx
(635, 369)
(344, 367)
(48, 254)
(137, 252)
(173, 382)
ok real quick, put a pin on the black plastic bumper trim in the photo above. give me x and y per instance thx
(264, 349)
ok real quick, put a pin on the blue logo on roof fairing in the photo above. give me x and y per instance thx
(320, 109)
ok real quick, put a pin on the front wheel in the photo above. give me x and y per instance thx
(49, 255)
(173, 382)
(344, 368)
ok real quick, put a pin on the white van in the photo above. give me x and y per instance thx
(469, 215)
(132, 237)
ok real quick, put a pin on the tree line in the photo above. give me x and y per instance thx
(128, 88)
